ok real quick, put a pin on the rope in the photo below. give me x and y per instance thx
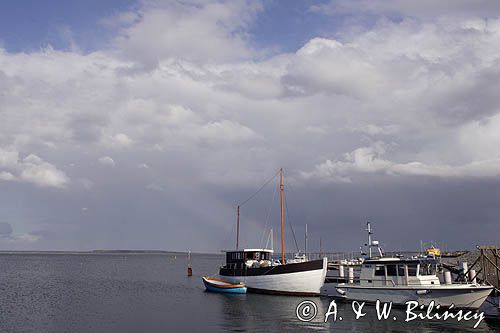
(267, 217)
(291, 227)
(260, 189)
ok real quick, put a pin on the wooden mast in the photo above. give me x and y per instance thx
(238, 227)
(282, 199)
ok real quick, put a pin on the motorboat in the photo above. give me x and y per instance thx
(400, 280)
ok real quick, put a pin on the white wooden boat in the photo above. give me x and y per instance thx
(262, 274)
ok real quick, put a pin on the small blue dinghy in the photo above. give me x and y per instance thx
(221, 286)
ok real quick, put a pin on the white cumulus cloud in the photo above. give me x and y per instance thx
(106, 160)
(30, 169)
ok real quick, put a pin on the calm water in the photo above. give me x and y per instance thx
(151, 293)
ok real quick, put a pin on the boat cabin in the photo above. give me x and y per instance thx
(251, 258)
(399, 272)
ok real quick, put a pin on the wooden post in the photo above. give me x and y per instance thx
(190, 269)
(497, 271)
(483, 265)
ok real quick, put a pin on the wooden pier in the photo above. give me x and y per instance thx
(486, 265)
(485, 268)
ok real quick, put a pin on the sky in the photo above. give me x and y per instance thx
(143, 124)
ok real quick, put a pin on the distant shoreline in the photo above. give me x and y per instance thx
(97, 252)
(336, 255)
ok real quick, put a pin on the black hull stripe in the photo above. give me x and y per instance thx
(280, 269)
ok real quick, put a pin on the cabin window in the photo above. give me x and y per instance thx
(234, 256)
(256, 256)
(427, 269)
(379, 270)
(391, 270)
(412, 270)
(401, 270)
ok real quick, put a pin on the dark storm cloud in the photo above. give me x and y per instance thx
(402, 212)
(5, 229)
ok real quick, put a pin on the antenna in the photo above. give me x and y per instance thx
(272, 240)
(371, 243)
(320, 247)
(305, 242)
(282, 199)
(369, 229)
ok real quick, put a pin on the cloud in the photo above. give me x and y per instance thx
(155, 187)
(42, 173)
(374, 130)
(5, 229)
(224, 131)
(7, 234)
(30, 169)
(28, 238)
(369, 160)
(195, 31)
(425, 9)
(324, 65)
(4, 175)
(106, 160)
(117, 140)
(183, 89)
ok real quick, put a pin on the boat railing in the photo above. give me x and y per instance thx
(380, 282)
(383, 282)
(369, 281)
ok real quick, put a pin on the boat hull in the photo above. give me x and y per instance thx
(304, 278)
(220, 286)
(460, 296)
(240, 290)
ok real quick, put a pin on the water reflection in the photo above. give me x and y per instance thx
(253, 312)
(151, 293)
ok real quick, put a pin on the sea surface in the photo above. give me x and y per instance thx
(152, 293)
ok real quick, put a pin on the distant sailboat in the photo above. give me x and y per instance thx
(261, 274)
